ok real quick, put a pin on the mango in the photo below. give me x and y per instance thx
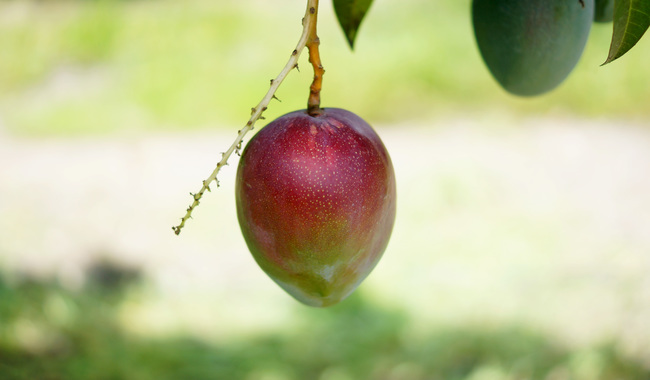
(316, 202)
(531, 46)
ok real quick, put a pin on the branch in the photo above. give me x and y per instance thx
(309, 26)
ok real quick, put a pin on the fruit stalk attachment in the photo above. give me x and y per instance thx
(308, 36)
(313, 42)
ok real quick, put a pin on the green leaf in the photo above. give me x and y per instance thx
(631, 20)
(350, 13)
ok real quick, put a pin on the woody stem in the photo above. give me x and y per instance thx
(313, 42)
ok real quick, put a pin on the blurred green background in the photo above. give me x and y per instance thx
(521, 248)
(105, 66)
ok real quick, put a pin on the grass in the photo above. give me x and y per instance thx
(100, 67)
(50, 332)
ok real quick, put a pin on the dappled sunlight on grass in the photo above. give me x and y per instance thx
(50, 332)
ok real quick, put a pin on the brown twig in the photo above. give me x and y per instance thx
(313, 42)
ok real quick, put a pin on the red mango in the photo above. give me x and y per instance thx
(316, 202)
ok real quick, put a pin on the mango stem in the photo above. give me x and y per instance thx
(313, 42)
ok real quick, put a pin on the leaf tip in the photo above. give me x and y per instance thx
(608, 60)
(350, 13)
(350, 37)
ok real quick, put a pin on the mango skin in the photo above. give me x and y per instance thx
(604, 11)
(316, 203)
(531, 46)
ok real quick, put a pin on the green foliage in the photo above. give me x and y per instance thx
(631, 20)
(604, 10)
(350, 13)
(531, 46)
(50, 333)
